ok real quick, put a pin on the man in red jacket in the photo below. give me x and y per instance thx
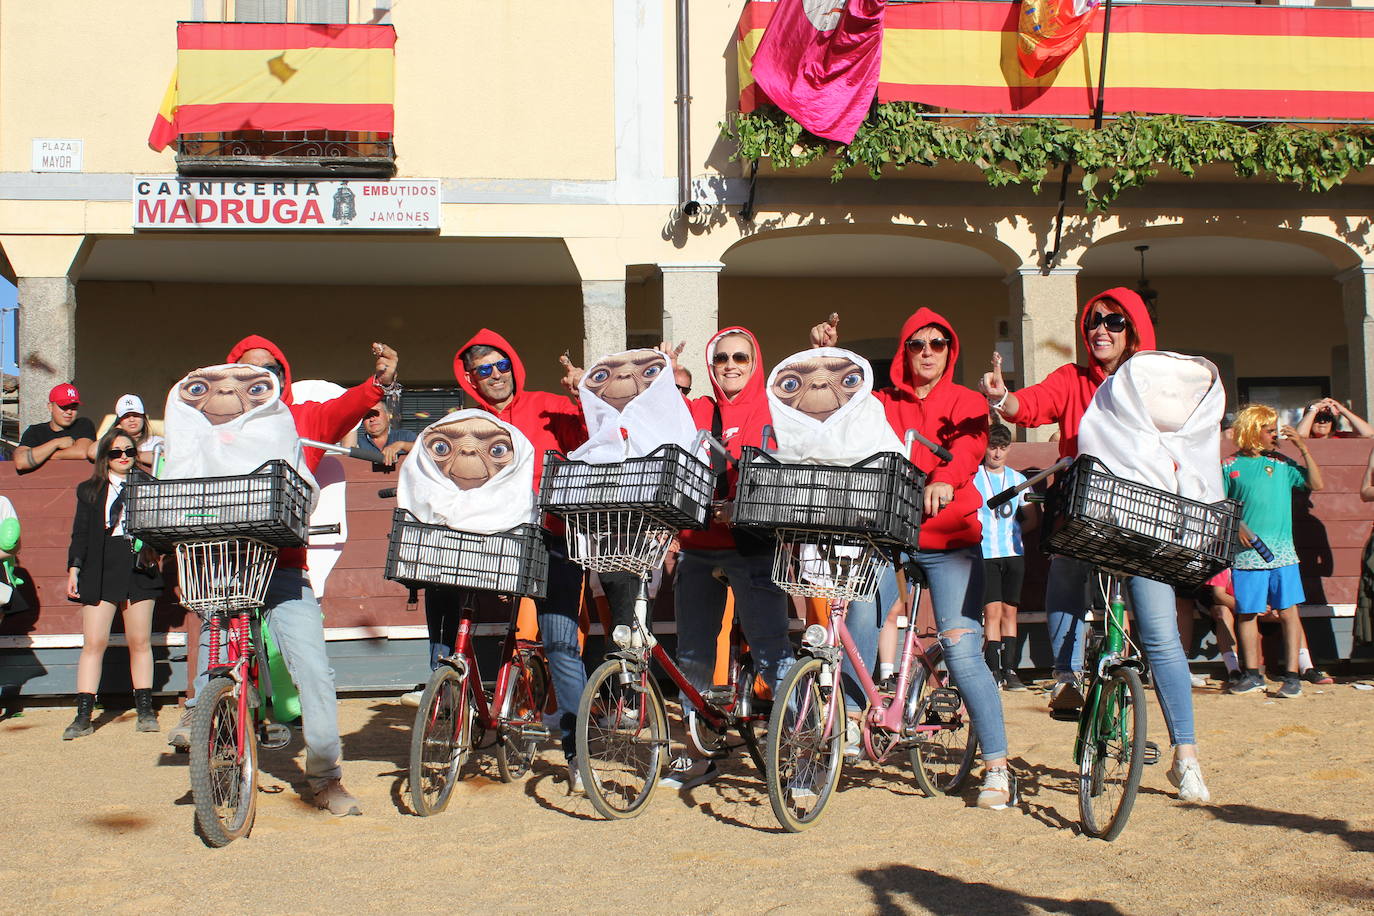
(490, 371)
(291, 610)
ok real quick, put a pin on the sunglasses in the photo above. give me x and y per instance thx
(918, 345)
(114, 453)
(686, 390)
(501, 365)
(741, 358)
(1115, 322)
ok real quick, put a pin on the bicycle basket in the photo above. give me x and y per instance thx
(878, 498)
(618, 540)
(513, 562)
(225, 574)
(812, 564)
(668, 484)
(269, 505)
(1129, 528)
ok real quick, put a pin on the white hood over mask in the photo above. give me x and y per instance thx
(471, 472)
(228, 420)
(824, 411)
(632, 391)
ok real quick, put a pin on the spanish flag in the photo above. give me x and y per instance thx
(1050, 31)
(279, 77)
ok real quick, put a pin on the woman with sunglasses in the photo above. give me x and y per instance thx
(103, 572)
(924, 397)
(1115, 325)
(130, 417)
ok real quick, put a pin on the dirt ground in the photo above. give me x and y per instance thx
(105, 823)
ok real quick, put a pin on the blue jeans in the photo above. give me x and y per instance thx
(760, 606)
(956, 591)
(296, 623)
(558, 631)
(1156, 624)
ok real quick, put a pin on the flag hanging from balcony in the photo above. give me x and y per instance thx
(237, 76)
(1050, 31)
(818, 61)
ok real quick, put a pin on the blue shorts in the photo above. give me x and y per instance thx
(1257, 590)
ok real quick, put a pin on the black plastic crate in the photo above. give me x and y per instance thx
(1126, 527)
(271, 504)
(667, 484)
(879, 497)
(513, 562)
(419, 407)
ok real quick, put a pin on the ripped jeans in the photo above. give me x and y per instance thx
(956, 591)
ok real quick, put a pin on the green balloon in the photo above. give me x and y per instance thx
(9, 534)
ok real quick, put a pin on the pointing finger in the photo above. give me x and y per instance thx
(833, 320)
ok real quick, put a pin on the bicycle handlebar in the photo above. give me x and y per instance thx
(387, 493)
(360, 453)
(940, 451)
(1008, 494)
(323, 529)
(704, 437)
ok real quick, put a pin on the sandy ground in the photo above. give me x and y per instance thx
(105, 823)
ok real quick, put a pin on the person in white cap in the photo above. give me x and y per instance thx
(133, 419)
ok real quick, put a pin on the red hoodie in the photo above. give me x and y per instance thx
(549, 421)
(742, 419)
(952, 415)
(323, 421)
(1067, 391)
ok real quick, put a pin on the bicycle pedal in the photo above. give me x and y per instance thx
(1064, 715)
(944, 700)
(719, 694)
(273, 735)
(531, 732)
(1151, 753)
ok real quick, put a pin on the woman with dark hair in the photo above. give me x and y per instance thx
(103, 572)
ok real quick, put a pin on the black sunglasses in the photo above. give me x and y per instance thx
(685, 389)
(126, 452)
(1115, 321)
(936, 344)
(740, 357)
(501, 365)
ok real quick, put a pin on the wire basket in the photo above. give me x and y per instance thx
(1126, 527)
(513, 562)
(668, 484)
(878, 498)
(269, 505)
(618, 540)
(813, 564)
(224, 575)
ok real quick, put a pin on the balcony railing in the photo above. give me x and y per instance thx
(320, 153)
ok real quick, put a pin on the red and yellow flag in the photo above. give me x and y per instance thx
(1050, 31)
(279, 77)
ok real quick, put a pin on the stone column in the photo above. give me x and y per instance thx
(603, 318)
(47, 342)
(1357, 301)
(691, 312)
(1044, 326)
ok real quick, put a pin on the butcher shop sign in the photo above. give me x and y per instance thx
(169, 202)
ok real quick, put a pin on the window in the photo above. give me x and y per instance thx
(332, 11)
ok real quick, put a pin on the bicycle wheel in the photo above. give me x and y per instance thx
(942, 755)
(805, 744)
(521, 709)
(224, 774)
(440, 741)
(1113, 754)
(622, 737)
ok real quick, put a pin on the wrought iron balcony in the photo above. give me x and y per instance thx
(317, 153)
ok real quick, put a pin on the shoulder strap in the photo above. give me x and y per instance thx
(718, 464)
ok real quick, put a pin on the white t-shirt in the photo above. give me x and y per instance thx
(116, 487)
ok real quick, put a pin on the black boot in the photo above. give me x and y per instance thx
(81, 725)
(992, 655)
(143, 702)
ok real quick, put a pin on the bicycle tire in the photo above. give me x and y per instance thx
(622, 737)
(1113, 755)
(803, 761)
(942, 761)
(440, 741)
(224, 777)
(527, 686)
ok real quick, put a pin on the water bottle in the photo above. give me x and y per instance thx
(1261, 548)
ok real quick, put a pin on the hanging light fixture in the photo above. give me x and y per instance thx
(1143, 287)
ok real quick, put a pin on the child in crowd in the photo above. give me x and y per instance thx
(1263, 481)
(1004, 563)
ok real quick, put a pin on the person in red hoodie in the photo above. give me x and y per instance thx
(490, 371)
(924, 398)
(716, 557)
(291, 609)
(1115, 324)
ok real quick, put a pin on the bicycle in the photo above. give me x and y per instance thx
(833, 544)
(1126, 529)
(623, 518)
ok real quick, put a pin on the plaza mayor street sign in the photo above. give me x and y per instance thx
(170, 202)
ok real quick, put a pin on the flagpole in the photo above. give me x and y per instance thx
(1102, 68)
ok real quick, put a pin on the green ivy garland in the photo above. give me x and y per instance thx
(1124, 154)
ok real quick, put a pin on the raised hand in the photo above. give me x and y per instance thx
(385, 369)
(673, 352)
(992, 384)
(827, 333)
(572, 375)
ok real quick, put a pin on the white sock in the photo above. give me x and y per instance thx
(885, 670)
(1232, 662)
(1304, 660)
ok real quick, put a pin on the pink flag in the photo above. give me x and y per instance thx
(818, 61)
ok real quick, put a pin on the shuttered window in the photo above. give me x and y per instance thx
(333, 11)
(259, 10)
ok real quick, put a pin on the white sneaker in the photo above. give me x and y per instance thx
(687, 773)
(853, 739)
(1199, 680)
(575, 786)
(1066, 694)
(998, 790)
(412, 699)
(1186, 774)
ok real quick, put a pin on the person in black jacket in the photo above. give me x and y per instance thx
(103, 572)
